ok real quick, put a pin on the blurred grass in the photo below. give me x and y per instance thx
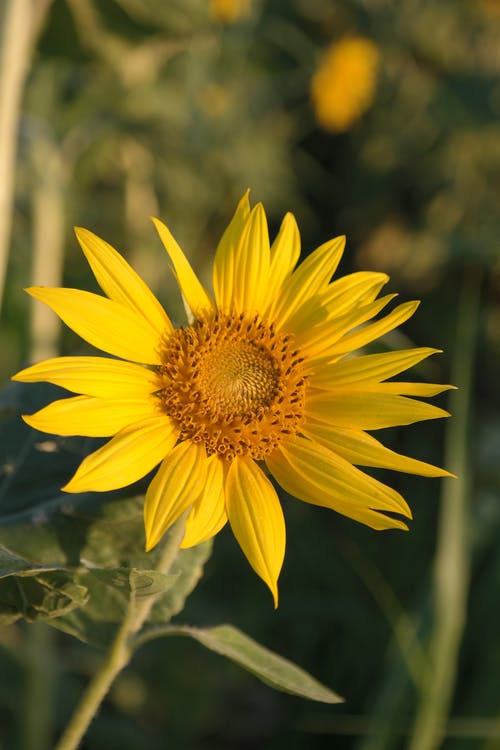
(132, 108)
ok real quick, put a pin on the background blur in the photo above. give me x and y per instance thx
(374, 118)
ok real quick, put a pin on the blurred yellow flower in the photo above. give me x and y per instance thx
(262, 380)
(343, 86)
(230, 11)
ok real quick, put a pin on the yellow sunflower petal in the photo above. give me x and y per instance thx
(369, 368)
(256, 519)
(89, 416)
(120, 282)
(373, 331)
(178, 484)
(93, 376)
(355, 287)
(362, 449)
(285, 252)
(368, 411)
(251, 259)
(197, 298)
(223, 269)
(208, 514)
(340, 297)
(405, 389)
(105, 324)
(321, 341)
(314, 474)
(127, 457)
(308, 279)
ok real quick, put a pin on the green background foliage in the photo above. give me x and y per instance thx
(134, 108)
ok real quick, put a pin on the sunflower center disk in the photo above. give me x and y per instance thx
(234, 384)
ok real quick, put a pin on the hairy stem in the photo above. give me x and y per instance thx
(119, 653)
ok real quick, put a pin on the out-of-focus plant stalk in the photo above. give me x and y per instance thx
(48, 201)
(20, 22)
(36, 711)
(452, 561)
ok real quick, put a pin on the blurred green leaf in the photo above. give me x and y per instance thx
(272, 669)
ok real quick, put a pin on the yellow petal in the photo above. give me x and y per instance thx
(127, 457)
(369, 368)
(178, 484)
(321, 341)
(256, 519)
(362, 449)
(348, 291)
(340, 297)
(285, 252)
(223, 270)
(373, 331)
(120, 282)
(208, 514)
(93, 376)
(251, 259)
(197, 298)
(308, 279)
(368, 411)
(314, 474)
(89, 416)
(104, 323)
(405, 389)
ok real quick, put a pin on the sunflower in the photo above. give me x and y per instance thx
(260, 382)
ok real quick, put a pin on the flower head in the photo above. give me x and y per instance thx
(260, 383)
(343, 86)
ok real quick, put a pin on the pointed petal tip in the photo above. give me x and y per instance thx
(72, 487)
(150, 544)
(82, 232)
(273, 588)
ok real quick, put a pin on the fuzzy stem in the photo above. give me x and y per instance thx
(120, 653)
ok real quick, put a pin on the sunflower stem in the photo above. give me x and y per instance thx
(120, 652)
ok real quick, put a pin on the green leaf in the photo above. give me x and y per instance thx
(35, 592)
(139, 583)
(263, 663)
(110, 591)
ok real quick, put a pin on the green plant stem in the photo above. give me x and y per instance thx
(452, 561)
(120, 652)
